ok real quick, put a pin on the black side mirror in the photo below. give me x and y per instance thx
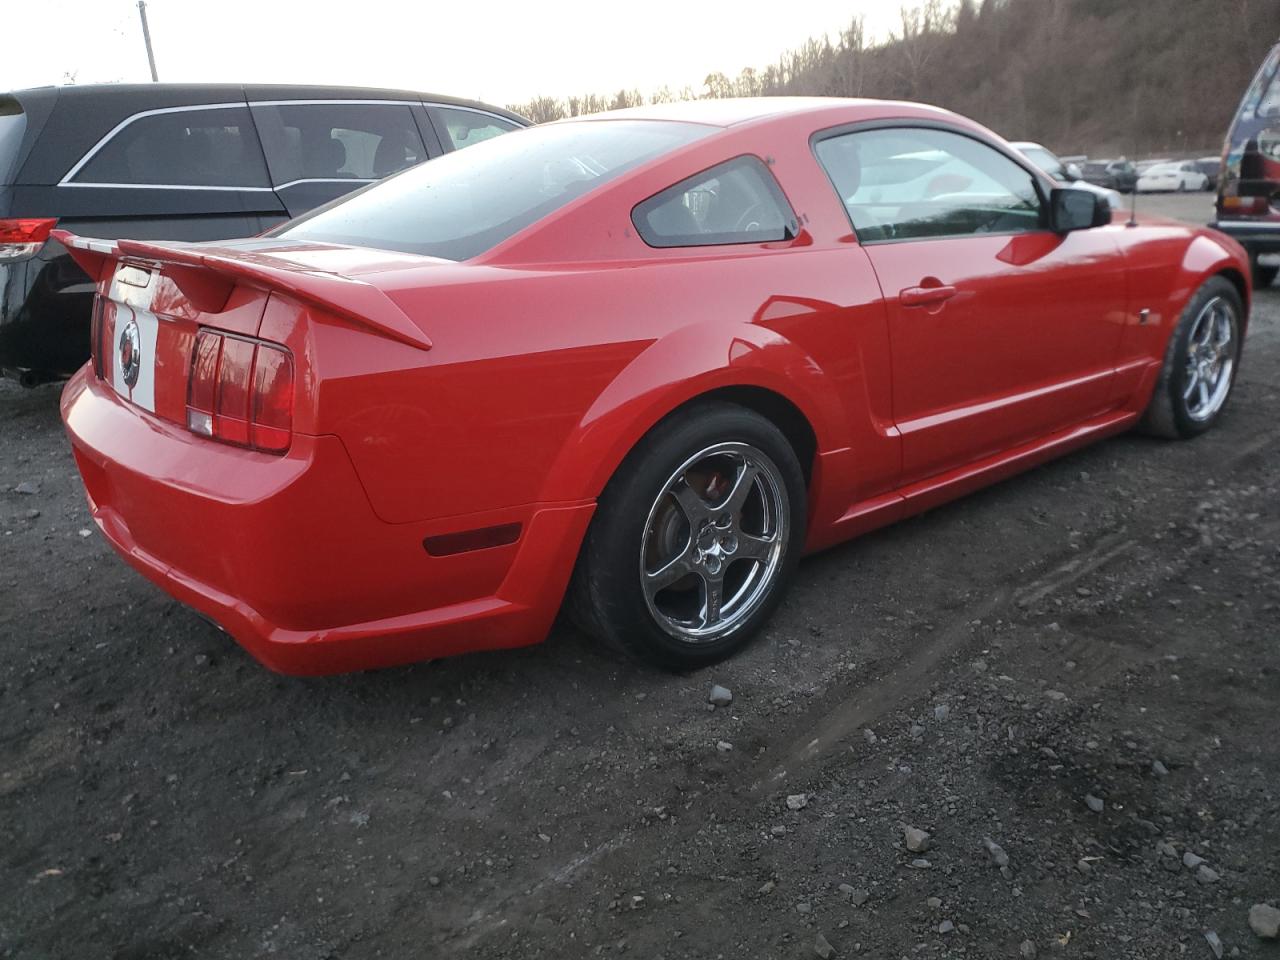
(1073, 209)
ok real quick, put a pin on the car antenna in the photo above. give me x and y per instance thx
(1133, 202)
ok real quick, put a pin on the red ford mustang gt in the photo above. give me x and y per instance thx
(632, 364)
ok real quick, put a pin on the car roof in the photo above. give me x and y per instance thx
(732, 111)
(143, 95)
(69, 120)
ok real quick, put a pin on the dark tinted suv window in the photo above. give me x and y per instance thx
(469, 127)
(201, 146)
(13, 124)
(338, 141)
(467, 201)
(735, 202)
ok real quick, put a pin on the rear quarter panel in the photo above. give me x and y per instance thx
(540, 381)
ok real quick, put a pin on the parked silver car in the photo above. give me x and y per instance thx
(1066, 173)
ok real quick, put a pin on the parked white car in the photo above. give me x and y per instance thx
(1178, 176)
(1067, 174)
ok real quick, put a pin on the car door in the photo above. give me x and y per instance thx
(319, 150)
(1000, 330)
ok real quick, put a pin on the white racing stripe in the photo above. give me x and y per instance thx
(133, 304)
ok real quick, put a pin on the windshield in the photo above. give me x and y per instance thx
(13, 123)
(466, 202)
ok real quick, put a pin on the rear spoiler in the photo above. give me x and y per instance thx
(206, 277)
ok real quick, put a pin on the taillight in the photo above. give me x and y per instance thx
(241, 391)
(1255, 206)
(20, 239)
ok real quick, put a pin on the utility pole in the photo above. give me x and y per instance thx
(146, 37)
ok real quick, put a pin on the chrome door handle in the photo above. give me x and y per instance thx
(923, 296)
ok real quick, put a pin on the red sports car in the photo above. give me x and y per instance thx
(633, 365)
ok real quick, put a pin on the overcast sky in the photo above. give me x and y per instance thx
(500, 52)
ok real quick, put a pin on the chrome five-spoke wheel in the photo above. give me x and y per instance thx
(714, 541)
(1211, 354)
(694, 538)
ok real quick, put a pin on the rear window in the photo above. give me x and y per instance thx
(468, 201)
(13, 124)
(200, 147)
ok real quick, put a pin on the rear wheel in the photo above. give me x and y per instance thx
(694, 539)
(1200, 363)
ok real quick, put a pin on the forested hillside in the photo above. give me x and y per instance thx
(1097, 76)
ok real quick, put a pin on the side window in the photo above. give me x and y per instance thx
(735, 202)
(917, 183)
(337, 141)
(200, 147)
(467, 127)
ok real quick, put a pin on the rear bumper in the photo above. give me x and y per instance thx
(1255, 236)
(286, 554)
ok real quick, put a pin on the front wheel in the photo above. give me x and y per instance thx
(1200, 363)
(694, 538)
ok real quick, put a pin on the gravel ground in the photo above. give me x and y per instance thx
(1067, 681)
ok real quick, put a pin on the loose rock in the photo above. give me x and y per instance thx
(797, 801)
(1159, 769)
(1028, 950)
(998, 856)
(1215, 944)
(720, 696)
(724, 746)
(822, 948)
(1094, 803)
(1207, 875)
(804, 906)
(917, 840)
(941, 712)
(27, 487)
(766, 888)
(1191, 861)
(945, 927)
(1264, 920)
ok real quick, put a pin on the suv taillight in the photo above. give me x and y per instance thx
(241, 391)
(1246, 206)
(20, 239)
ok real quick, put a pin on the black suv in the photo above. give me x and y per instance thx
(1249, 192)
(183, 162)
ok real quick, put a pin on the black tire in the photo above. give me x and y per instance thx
(1263, 277)
(1169, 414)
(607, 597)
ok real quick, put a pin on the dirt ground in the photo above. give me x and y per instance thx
(1078, 665)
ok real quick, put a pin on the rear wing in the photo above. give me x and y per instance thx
(206, 276)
